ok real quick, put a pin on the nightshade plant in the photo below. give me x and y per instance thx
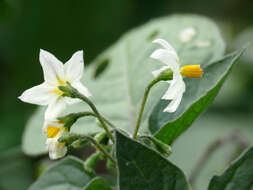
(132, 117)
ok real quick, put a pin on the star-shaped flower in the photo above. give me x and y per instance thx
(56, 74)
(169, 57)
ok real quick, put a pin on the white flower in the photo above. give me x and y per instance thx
(169, 57)
(54, 130)
(56, 74)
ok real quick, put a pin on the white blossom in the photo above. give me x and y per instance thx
(56, 74)
(169, 57)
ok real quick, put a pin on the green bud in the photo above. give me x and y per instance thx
(159, 145)
(165, 75)
(110, 164)
(69, 139)
(102, 138)
(91, 162)
(68, 90)
(68, 120)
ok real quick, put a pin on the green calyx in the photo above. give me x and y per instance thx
(165, 75)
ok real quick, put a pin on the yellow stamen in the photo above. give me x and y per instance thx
(52, 131)
(57, 91)
(61, 83)
(191, 71)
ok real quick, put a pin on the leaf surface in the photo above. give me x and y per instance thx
(66, 174)
(98, 184)
(141, 168)
(239, 176)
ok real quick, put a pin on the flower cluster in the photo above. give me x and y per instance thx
(48, 93)
(62, 87)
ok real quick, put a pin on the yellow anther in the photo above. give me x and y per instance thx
(192, 71)
(61, 82)
(57, 91)
(52, 131)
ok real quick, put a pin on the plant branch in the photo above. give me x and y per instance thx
(70, 138)
(73, 93)
(144, 100)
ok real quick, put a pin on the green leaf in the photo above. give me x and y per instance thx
(199, 94)
(67, 174)
(127, 69)
(143, 168)
(239, 176)
(98, 184)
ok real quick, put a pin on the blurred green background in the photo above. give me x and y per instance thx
(63, 27)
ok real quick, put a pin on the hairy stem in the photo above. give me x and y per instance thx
(78, 115)
(99, 147)
(73, 93)
(144, 100)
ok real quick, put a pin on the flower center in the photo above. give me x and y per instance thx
(191, 71)
(52, 131)
(60, 83)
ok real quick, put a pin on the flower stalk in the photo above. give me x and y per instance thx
(163, 76)
(89, 138)
(70, 91)
(70, 119)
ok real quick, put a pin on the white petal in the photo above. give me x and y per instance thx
(40, 95)
(81, 88)
(157, 72)
(177, 86)
(173, 105)
(52, 67)
(166, 57)
(164, 44)
(71, 101)
(51, 122)
(56, 150)
(55, 108)
(74, 67)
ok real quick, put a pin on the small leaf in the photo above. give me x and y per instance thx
(67, 174)
(239, 176)
(199, 94)
(98, 184)
(143, 168)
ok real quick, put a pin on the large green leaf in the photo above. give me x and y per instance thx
(199, 94)
(141, 168)
(98, 184)
(67, 174)
(239, 176)
(125, 70)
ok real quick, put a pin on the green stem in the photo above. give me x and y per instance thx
(71, 137)
(99, 147)
(144, 100)
(94, 109)
(84, 114)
